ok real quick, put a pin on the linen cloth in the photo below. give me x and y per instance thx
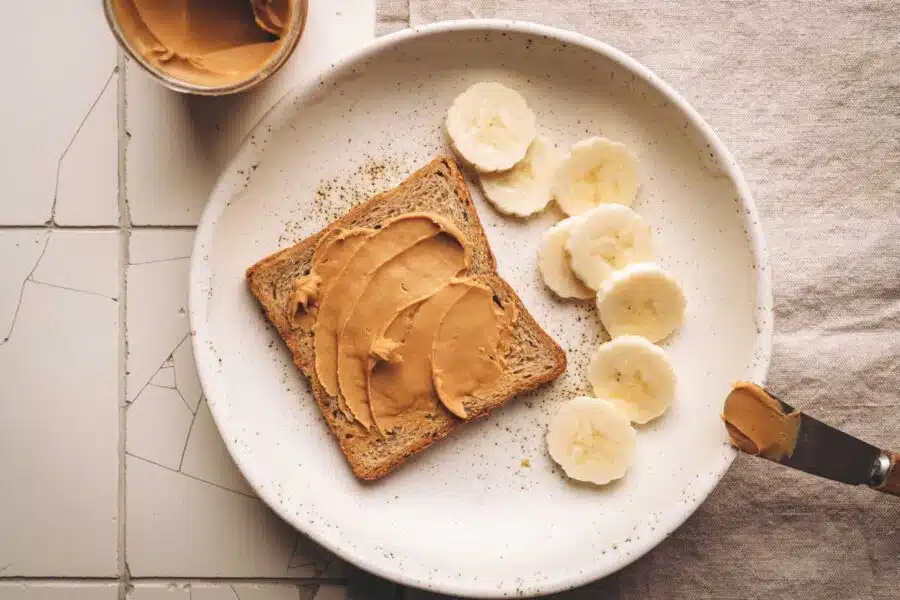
(806, 95)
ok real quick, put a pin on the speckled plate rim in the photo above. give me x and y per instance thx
(534, 584)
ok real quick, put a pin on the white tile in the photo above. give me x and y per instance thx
(59, 384)
(333, 592)
(171, 161)
(100, 250)
(182, 527)
(158, 422)
(159, 245)
(187, 382)
(223, 591)
(157, 321)
(165, 377)
(58, 591)
(311, 560)
(275, 591)
(178, 144)
(48, 97)
(213, 592)
(88, 189)
(21, 251)
(207, 458)
(160, 591)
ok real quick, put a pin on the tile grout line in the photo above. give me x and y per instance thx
(96, 227)
(68, 579)
(298, 581)
(124, 227)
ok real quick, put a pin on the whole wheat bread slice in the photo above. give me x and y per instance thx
(533, 358)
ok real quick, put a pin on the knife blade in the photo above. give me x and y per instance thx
(817, 448)
(830, 453)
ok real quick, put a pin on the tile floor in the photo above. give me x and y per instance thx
(115, 481)
(236, 591)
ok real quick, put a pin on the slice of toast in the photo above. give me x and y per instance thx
(533, 358)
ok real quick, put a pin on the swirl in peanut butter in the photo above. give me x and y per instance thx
(205, 42)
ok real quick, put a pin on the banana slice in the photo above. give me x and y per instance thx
(596, 171)
(491, 126)
(606, 239)
(554, 266)
(635, 375)
(643, 300)
(591, 440)
(524, 189)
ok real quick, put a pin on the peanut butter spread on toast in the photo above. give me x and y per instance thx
(400, 329)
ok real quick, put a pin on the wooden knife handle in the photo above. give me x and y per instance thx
(891, 483)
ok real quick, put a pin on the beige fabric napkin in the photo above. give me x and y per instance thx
(806, 94)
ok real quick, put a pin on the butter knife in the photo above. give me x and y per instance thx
(760, 424)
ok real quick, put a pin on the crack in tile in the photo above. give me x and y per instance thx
(314, 556)
(175, 377)
(165, 387)
(158, 260)
(234, 591)
(215, 485)
(169, 362)
(183, 399)
(187, 440)
(290, 564)
(126, 573)
(162, 365)
(287, 569)
(52, 220)
(28, 278)
(320, 572)
(313, 591)
(5, 567)
(71, 289)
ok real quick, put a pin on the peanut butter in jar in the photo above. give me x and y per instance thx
(210, 47)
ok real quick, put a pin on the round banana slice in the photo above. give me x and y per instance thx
(524, 189)
(596, 171)
(553, 265)
(606, 239)
(591, 440)
(635, 375)
(490, 126)
(643, 300)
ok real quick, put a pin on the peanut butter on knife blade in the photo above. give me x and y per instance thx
(757, 423)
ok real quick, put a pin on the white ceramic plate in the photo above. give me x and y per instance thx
(466, 517)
